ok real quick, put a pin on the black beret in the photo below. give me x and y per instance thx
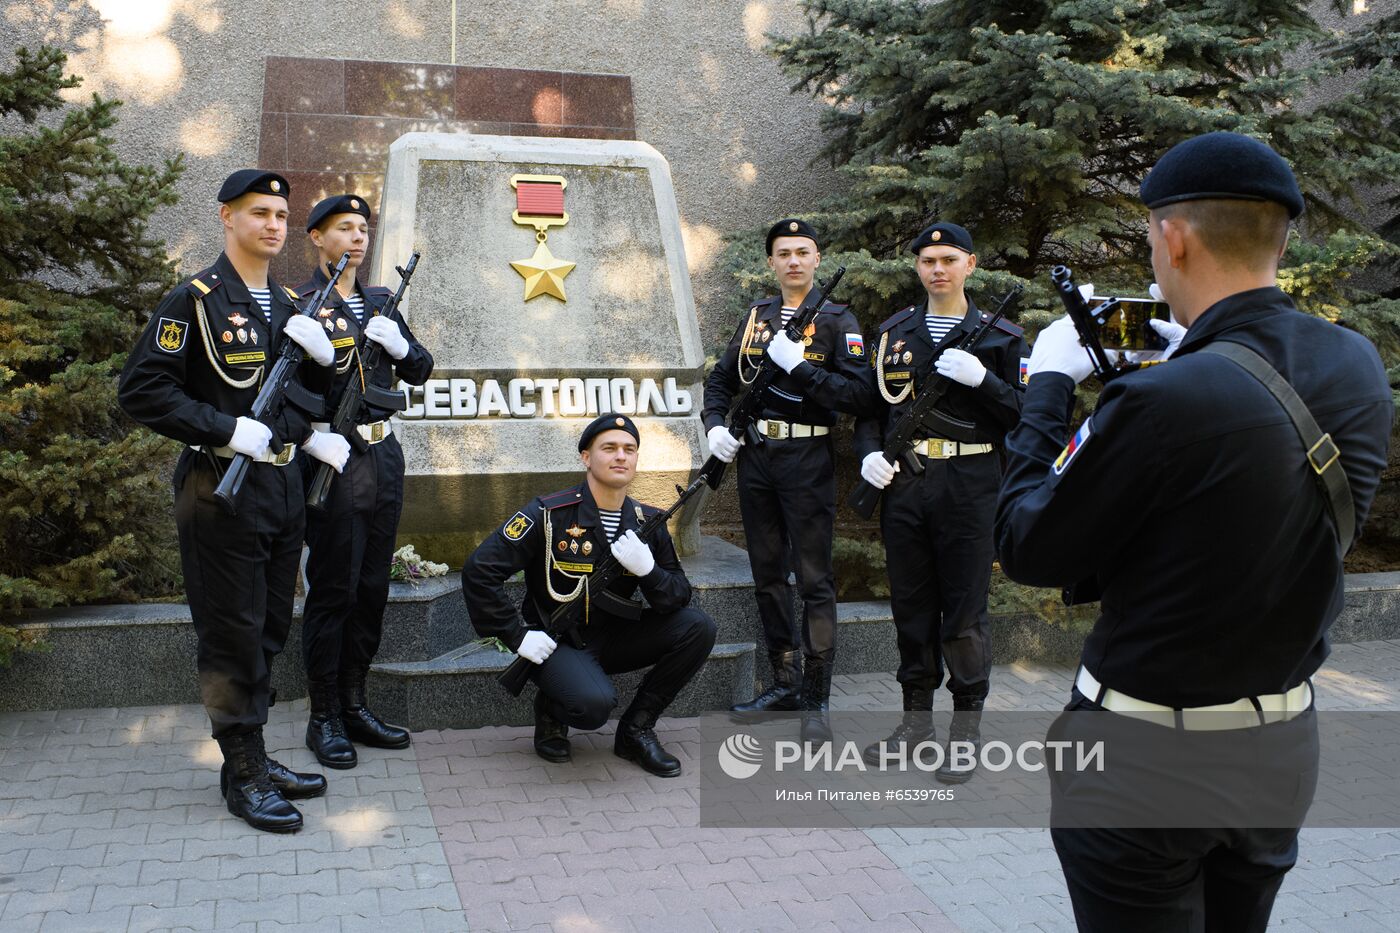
(611, 421)
(1222, 165)
(790, 226)
(253, 180)
(336, 204)
(942, 234)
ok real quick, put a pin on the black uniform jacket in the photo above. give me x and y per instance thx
(575, 542)
(904, 352)
(193, 373)
(830, 378)
(344, 332)
(1188, 496)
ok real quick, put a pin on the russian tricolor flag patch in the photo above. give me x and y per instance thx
(1075, 445)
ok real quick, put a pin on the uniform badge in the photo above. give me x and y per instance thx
(226, 337)
(908, 356)
(937, 235)
(563, 545)
(573, 546)
(898, 345)
(170, 336)
(253, 336)
(1025, 370)
(242, 335)
(237, 320)
(638, 512)
(792, 227)
(518, 525)
(855, 345)
(325, 312)
(275, 185)
(574, 532)
(1075, 445)
(809, 333)
(767, 336)
(587, 548)
(340, 323)
(329, 326)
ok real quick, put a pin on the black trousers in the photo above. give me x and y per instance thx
(787, 499)
(349, 546)
(240, 578)
(576, 681)
(1181, 880)
(937, 529)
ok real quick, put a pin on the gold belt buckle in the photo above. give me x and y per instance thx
(285, 457)
(775, 430)
(376, 432)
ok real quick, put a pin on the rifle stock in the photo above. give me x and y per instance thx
(274, 389)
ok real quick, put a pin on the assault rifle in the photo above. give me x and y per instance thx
(1087, 321)
(924, 410)
(274, 390)
(744, 414)
(567, 616)
(358, 392)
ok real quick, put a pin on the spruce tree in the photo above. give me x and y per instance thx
(84, 509)
(1032, 124)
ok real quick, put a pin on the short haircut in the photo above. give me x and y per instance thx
(1237, 233)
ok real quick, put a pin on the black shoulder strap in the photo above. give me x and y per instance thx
(1323, 455)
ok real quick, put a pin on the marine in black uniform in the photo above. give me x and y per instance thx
(1187, 499)
(193, 376)
(937, 526)
(557, 539)
(787, 485)
(351, 541)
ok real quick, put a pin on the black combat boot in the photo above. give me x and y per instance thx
(966, 727)
(816, 693)
(785, 693)
(294, 785)
(250, 793)
(325, 732)
(915, 727)
(636, 737)
(361, 725)
(551, 735)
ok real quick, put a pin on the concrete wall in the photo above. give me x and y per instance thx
(191, 74)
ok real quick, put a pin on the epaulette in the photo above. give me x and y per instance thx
(291, 294)
(830, 308)
(897, 317)
(1005, 325)
(378, 291)
(554, 500)
(762, 303)
(204, 283)
(647, 510)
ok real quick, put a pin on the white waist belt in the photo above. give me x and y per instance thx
(373, 433)
(936, 448)
(228, 453)
(782, 430)
(1240, 714)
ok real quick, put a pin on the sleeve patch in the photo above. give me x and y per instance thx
(1072, 449)
(517, 527)
(855, 344)
(171, 334)
(1025, 370)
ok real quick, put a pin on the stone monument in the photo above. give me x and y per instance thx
(552, 287)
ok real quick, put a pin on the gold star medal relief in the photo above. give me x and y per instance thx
(539, 203)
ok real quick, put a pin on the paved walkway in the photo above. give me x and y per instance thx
(110, 820)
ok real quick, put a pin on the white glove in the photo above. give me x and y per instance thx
(328, 447)
(877, 471)
(785, 351)
(311, 337)
(961, 366)
(536, 647)
(1057, 350)
(250, 437)
(632, 552)
(723, 444)
(386, 333)
(1170, 331)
